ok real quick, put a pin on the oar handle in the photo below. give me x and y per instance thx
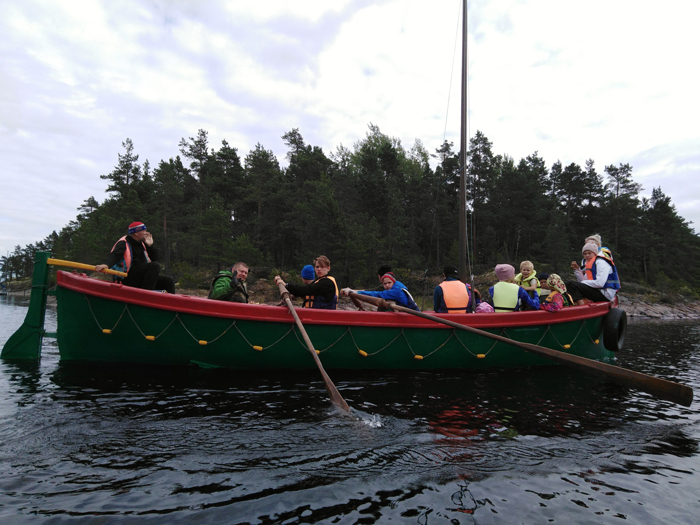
(374, 301)
(81, 266)
(676, 392)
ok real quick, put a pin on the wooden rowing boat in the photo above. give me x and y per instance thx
(109, 322)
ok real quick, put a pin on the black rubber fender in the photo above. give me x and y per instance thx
(614, 329)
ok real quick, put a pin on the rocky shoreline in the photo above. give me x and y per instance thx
(637, 308)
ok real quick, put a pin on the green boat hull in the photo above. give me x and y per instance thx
(107, 322)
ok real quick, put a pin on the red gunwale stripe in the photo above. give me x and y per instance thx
(186, 304)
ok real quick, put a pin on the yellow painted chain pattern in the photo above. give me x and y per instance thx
(291, 329)
(381, 349)
(177, 317)
(589, 335)
(431, 353)
(452, 335)
(303, 344)
(152, 337)
(467, 349)
(198, 340)
(109, 330)
(565, 346)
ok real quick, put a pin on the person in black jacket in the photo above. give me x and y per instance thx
(321, 293)
(134, 254)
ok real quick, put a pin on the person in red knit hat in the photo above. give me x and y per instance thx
(134, 254)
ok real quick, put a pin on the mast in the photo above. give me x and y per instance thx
(463, 156)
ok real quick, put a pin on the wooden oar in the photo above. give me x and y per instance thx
(676, 392)
(71, 264)
(336, 398)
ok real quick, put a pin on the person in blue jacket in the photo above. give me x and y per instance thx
(393, 291)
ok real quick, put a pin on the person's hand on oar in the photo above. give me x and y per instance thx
(346, 292)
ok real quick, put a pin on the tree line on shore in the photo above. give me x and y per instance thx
(377, 203)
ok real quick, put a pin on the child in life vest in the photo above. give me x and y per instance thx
(508, 296)
(597, 280)
(558, 298)
(527, 278)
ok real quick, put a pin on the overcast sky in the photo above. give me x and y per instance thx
(613, 81)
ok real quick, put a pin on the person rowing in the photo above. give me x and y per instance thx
(322, 293)
(393, 291)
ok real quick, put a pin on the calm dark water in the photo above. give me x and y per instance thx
(106, 444)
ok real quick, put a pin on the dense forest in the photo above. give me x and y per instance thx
(377, 203)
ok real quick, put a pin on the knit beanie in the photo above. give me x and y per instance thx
(136, 227)
(590, 247)
(307, 272)
(505, 272)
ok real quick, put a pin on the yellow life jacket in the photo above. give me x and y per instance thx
(505, 296)
(519, 279)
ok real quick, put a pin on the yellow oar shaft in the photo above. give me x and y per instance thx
(81, 266)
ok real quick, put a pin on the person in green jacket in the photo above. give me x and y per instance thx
(230, 285)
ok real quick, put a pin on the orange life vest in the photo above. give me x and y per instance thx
(589, 270)
(455, 295)
(125, 263)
